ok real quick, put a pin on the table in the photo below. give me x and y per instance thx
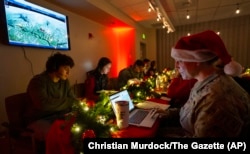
(58, 137)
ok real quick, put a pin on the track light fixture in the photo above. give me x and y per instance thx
(188, 16)
(149, 9)
(237, 9)
(155, 5)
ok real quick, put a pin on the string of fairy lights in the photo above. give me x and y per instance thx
(95, 119)
(161, 15)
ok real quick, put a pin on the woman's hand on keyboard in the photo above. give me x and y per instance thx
(169, 113)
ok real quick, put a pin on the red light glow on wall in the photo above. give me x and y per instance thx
(122, 49)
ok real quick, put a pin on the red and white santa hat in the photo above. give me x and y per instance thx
(203, 47)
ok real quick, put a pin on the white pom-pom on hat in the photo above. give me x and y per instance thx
(233, 68)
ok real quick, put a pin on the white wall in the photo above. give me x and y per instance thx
(16, 70)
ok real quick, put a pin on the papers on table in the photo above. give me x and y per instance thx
(107, 91)
(151, 105)
(166, 98)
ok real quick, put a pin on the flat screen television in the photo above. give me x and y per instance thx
(30, 25)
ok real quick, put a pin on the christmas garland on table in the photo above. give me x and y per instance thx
(246, 73)
(92, 120)
(142, 90)
(95, 119)
(146, 88)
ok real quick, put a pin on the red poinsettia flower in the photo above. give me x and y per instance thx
(90, 103)
(88, 134)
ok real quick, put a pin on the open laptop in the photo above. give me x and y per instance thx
(135, 114)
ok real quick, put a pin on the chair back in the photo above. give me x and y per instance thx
(15, 106)
(113, 84)
(79, 90)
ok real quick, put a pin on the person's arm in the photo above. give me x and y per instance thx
(170, 113)
(217, 120)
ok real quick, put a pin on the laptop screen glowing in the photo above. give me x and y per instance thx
(121, 96)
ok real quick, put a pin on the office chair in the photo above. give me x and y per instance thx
(78, 89)
(16, 127)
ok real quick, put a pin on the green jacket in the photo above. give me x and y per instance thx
(126, 74)
(49, 98)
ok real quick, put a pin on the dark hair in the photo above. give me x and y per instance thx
(101, 63)
(56, 60)
(139, 63)
(152, 64)
(146, 60)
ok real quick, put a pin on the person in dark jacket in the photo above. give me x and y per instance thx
(133, 72)
(97, 79)
(50, 95)
(152, 69)
(146, 62)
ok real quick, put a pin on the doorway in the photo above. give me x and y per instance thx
(142, 50)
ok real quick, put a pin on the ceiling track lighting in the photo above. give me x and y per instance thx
(149, 9)
(156, 6)
(237, 9)
(188, 16)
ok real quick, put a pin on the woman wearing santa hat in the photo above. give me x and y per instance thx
(217, 105)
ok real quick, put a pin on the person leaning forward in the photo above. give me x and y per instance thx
(134, 72)
(50, 94)
(217, 105)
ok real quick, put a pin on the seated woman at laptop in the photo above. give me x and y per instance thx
(217, 105)
(97, 79)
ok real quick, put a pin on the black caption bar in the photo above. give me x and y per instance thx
(163, 145)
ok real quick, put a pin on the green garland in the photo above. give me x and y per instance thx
(97, 116)
(143, 90)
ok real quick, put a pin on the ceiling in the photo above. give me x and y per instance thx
(137, 10)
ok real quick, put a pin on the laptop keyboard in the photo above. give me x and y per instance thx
(138, 116)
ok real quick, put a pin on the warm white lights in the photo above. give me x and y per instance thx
(189, 11)
(237, 10)
(188, 16)
(149, 9)
(155, 5)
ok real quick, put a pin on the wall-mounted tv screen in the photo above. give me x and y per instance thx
(31, 25)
